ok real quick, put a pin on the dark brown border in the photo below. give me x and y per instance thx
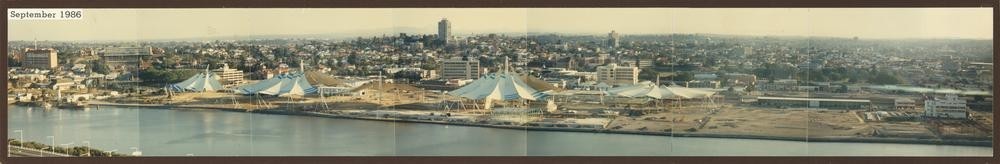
(493, 3)
(487, 3)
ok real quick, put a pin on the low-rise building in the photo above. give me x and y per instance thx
(778, 85)
(828, 103)
(23, 97)
(706, 76)
(61, 84)
(740, 78)
(616, 75)
(712, 84)
(949, 106)
(77, 97)
(44, 58)
(128, 58)
(229, 77)
(641, 63)
(460, 68)
(905, 103)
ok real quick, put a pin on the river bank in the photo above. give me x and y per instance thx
(36, 149)
(980, 143)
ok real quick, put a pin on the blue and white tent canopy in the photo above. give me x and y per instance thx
(499, 87)
(205, 81)
(281, 85)
(648, 89)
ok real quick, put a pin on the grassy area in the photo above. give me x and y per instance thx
(79, 151)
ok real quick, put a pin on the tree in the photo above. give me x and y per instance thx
(429, 66)
(648, 74)
(99, 67)
(886, 78)
(775, 71)
(852, 80)
(12, 63)
(159, 76)
(411, 76)
(684, 76)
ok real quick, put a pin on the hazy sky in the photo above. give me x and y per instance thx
(133, 24)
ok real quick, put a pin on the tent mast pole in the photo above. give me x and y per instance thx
(325, 105)
(657, 104)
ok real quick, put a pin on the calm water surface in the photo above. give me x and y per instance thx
(158, 132)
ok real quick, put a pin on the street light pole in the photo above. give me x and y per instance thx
(20, 140)
(109, 153)
(88, 148)
(53, 145)
(67, 146)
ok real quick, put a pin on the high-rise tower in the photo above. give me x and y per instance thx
(444, 30)
(613, 39)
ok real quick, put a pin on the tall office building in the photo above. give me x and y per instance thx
(460, 68)
(613, 74)
(613, 39)
(444, 30)
(44, 58)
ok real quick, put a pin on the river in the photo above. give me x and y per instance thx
(158, 132)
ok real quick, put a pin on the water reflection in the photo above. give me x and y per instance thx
(159, 132)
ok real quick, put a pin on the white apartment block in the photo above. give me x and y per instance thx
(615, 75)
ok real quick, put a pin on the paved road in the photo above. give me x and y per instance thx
(17, 151)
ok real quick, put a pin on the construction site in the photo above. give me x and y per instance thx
(508, 99)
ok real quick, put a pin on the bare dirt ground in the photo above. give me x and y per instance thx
(750, 121)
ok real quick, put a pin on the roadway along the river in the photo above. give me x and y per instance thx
(17, 151)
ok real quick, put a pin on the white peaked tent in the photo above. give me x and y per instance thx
(650, 90)
(506, 86)
(281, 85)
(205, 81)
(498, 87)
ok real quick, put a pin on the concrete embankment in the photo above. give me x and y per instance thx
(167, 106)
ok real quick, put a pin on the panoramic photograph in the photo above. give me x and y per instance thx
(234, 82)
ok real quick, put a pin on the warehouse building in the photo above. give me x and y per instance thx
(828, 103)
